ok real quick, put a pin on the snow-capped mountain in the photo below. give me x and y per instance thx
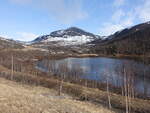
(70, 36)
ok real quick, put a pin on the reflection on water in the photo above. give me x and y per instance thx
(101, 68)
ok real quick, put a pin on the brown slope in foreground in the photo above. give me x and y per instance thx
(17, 98)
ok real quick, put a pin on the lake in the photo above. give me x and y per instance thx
(103, 69)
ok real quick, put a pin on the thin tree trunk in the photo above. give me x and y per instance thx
(60, 87)
(12, 67)
(126, 94)
(108, 95)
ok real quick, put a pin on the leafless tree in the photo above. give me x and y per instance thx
(63, 69)
(107, 75)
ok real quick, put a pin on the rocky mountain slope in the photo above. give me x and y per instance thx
(70, 36)
(134, 40)
(7, 43)
(69, 41)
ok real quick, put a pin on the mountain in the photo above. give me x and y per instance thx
(129, 41)
(70, 36)
(134, 40)
(8, 43)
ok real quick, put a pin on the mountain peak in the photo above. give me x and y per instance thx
(72, 35)
(74, 29)
(71, 31)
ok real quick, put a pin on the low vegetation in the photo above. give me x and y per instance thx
(21, 68)
(17, 98)
(82, 93)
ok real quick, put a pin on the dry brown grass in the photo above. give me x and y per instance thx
(16, 98)
(94, 95)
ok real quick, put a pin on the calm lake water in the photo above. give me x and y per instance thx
(100, 69)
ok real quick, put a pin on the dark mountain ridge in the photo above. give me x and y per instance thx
(134, 40)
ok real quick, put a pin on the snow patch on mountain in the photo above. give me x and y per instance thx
(70, 36)
(70, 40)
(60, 32)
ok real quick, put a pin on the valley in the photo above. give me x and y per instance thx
(108, 74)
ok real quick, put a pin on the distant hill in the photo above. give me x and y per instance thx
(134, 40)
(69, 41)
(70, 36)
(8, 43)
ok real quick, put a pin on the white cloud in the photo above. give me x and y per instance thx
(118, 15)
(21, 36)
(25, 36)
(143, 11)
(119, 21)
(65, 11)
(118, 3)
(109, 28)
(5, 36)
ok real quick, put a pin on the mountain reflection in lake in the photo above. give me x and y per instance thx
(100, 68)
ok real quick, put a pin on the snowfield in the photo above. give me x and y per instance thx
(69, 40)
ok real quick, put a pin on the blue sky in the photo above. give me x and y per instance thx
(26, 19)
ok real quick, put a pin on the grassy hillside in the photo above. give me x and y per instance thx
(17, 98)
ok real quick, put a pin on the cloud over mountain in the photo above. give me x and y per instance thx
(66, 12)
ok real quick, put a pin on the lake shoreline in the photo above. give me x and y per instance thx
(94, 68)
(141, 58)
(81, 93)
